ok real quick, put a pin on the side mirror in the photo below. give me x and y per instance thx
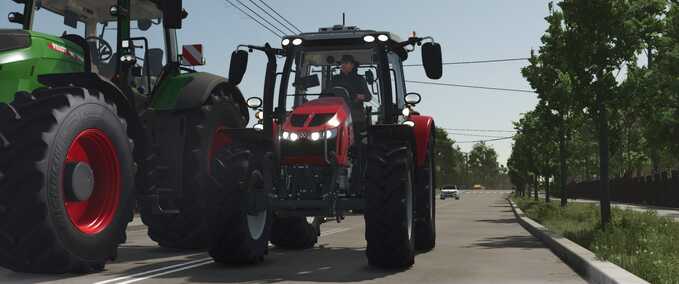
(173, 13)
(144, 25)
(370, 77)
(432, 60)
(70, 19)
(238, 66)
(413, 98)
(254, 102)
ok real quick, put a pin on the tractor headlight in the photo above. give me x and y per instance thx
(285, 135)
(382, 38)
(406, 111)
(293, 137)
(296, 41)
(331, 133)
(258, 127)
(369, 38)
(285, 42)
(315, 136)
(259, 115)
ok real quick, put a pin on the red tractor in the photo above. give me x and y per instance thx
(341, 139)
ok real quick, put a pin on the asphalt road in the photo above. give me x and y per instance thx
(479, 241)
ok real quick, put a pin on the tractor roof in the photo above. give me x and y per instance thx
(343, 36)
(99, 10)
(340, 32)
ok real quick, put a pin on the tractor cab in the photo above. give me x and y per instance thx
(122, 41)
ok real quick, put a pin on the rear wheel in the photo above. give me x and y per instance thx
(241, 220)
(295, 232)
(187, 229)
(425, 223)
(389, 224)
(66, 181)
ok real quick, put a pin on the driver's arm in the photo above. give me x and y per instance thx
(365, 91)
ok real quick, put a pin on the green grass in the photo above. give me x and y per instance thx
(640, 242)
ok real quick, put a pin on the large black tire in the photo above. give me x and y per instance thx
(37, 132)
(240, 235)
(294, 232)
(389, 228)
(189, 229)
(425, 207)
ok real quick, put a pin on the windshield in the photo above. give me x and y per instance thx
(339, 72)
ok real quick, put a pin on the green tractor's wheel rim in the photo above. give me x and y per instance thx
(93, 148)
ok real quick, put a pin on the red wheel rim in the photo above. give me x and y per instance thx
(93, 215)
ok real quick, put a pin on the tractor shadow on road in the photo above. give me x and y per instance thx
(522, 242)
(320, 264)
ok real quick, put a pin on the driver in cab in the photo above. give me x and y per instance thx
(349, 79)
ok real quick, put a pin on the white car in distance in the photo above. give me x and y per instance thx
(450, 191)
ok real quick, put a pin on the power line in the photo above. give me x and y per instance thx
(472, 87)
(284, 19)
(489, 140)
(253, 18)
(261, 17)
(474, 62)
(478, 130)
(474, 135)
(271, 16)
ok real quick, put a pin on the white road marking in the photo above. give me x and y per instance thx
(166, 272)
(153, 271)
(185, 266)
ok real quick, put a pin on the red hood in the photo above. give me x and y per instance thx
(323, 105)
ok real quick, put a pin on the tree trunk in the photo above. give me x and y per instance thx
(547, 197)
(535, 187)
(562, 161)
(603, 161)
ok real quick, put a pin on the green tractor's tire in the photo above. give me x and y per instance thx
(43, 227)
(240, 235)
(294, 232)
(425, 206)
(189, 228)
(389, 228)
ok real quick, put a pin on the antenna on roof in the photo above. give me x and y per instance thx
(344, 22)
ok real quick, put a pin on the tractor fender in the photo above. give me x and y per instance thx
(422, 132)
(191, 90)
(113, 94)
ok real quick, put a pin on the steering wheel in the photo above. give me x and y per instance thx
(104, 49)
(341, 92)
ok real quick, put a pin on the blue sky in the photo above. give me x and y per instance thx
(467, 30)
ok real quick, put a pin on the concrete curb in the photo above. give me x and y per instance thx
(578, 258)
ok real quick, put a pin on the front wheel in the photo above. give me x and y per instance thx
(389, 224)
(425, 222)
(66, 182)
(241, 219)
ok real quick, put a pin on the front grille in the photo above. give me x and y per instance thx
(320, 119)
(297, 120)
(14, 39)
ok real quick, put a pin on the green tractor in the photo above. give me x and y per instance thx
(90, 129)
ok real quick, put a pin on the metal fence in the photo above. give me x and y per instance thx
(658, 190)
